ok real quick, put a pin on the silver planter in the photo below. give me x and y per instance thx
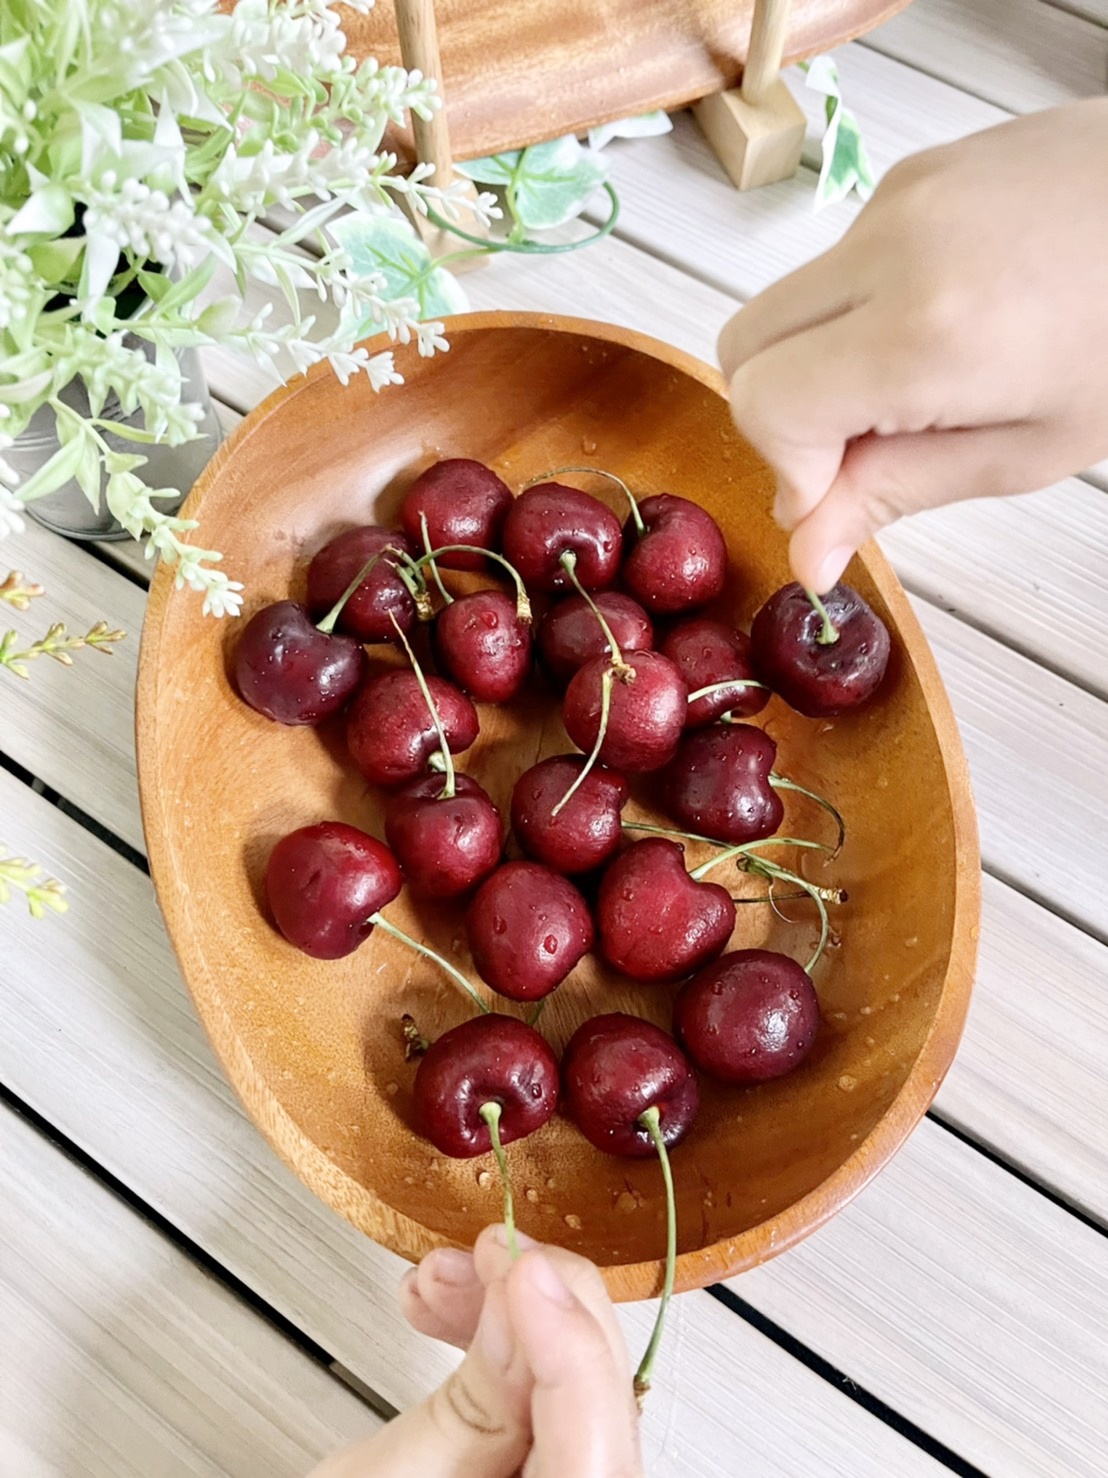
(67, 510)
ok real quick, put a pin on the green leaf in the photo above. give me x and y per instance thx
(845, 165)
(53, 473)
(645, 126)
(441, 294)
(89, 473)
(553, 182)
(497, 169)
(48, 211)
(54, 261)
(390, 247)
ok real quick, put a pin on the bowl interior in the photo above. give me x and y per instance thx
(315, 1048)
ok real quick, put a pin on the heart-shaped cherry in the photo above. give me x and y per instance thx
(548, 521)
(391, 734)
(481, 642)
(634, 722)
(489, 1059)
(824, 658)
(675, 557)
(614, 1069)
(570, 635)
(325, 885)
(715, 661)
(293, 671)
(446, 844)
(379, 597)
(721, 784)
(655, 922)
(463, 502)
(751, 1016)
(528, 927)
(583, 833)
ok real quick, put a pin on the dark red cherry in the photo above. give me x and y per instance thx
(820, 679)
(290, 671)
(709, 654)
(464, 502)
(481, 644)
(615, 1068)
(390, 732)
(381, 595)
(570, 635)
(325, 883)
(656, 922)
(550, 520)
(680, 562)
(586, 831)
(446, 845)
(719, 784)
(528, 927)
(488, 1059)
(751, 1016)
(646, 715)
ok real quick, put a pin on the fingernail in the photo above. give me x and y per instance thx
(832, 567)
(493, 1338)
(500, 1237)
(548, 1281)
(453, 1267)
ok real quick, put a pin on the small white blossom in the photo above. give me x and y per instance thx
(429, 338)
(10, 510)
(382, 371)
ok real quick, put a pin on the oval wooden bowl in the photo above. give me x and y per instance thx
(314, 1048)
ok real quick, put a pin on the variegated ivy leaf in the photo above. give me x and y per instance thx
(389, 247)
(546, 184)
(845, 165)
(645, 126)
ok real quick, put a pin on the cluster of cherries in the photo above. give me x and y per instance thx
(674, 707)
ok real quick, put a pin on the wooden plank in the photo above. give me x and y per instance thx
(122, 1359)
(113, 1054)
(1003, 1356)
(1094, 10)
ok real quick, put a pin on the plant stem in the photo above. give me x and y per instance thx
(636, 516)
(523, 603)
(828, 635)
(568, 562)
(327, 625)
(735, 682)
(456, 975)
(449, 786)
(429, 552)
(532, 248)
(606, 679)
(490, 1112)
(650, 1122)
(743, 850)
(780, 782)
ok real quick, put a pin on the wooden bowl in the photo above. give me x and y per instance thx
(314, 1048)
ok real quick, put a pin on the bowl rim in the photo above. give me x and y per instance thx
(365, 1210)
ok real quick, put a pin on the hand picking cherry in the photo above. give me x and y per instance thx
(639, 724)
(675, 555)
(381, 595)
(488, 1059)
(821, 664)
(446, 844)
(614, 1069)
(550, 520)
(751, 1016)
(293, 671)
(325, 884)
(481, 642)
(570, 635)
(464, 502)
(721, 784)
(528, 927)
(391, 734)
(583, 833)
(715, 661)
(655, 922)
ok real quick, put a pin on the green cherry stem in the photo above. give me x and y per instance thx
(606, 679)
(568, 562)
(327, 625)
(781, 782)
(523, 603)
(636, 516)
(819, 896)
(828, 635)
(448, 789)
(713, 688)
(427, 549)
(380, 922)
(726, 852)
(771, 898)
(650, 1122)
(490, 1112)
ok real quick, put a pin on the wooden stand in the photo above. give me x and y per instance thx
(758, 129)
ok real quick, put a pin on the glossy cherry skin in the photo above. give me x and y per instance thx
(645, 717)
(570, 635)
(483, 646)
(587, 831)
(390, 733)
(656, 922)
(706, 653)
(464, 502)
(488, 1059)
(820, 680)
(291, 672)
(751, 1016)
(381, 594)
(719, 785)
(324, 883)
(680, 563)
(614, 1068)
(550, 520)
(445, 846)
(528, 927)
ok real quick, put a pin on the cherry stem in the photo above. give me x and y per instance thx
(424, 949)
(781, 782)
(770, 870)
(448, 789)
(651, 1123)
(770, 898)
(828, 635)
(428, 550)
(537, 1012)
(490, 1112)
(568, 562)
(523, 601)
(636, 516)
(415, 1043)
(713, 688)
(743, 852)
(327, 625)
(606, 678)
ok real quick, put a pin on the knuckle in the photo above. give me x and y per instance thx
(457, 1403)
